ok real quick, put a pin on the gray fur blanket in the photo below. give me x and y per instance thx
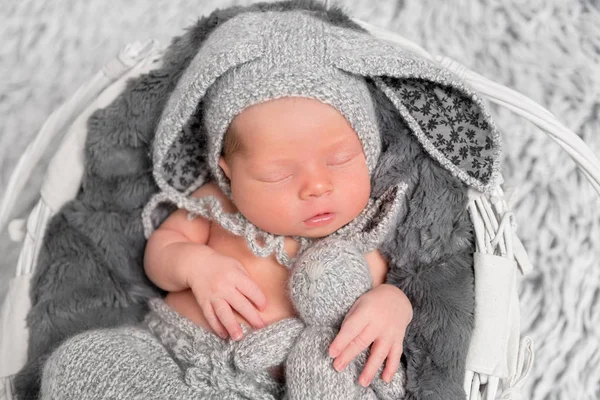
(90, 268)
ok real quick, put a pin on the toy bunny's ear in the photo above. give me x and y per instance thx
(447, 117)
(371, 227)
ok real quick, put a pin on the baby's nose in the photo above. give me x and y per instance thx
(316, 185)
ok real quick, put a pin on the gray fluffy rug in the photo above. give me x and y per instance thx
(548, 50)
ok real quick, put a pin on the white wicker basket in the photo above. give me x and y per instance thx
(498, 358)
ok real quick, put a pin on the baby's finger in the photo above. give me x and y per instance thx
(225, 315)
(252, 291)
(393, 362)
(379, 351)
(351, 311)
(350, 329)
(213, 321)
(243, 306)
(355, 347)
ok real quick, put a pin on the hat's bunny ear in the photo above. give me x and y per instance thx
(445, 115)
(370, 228)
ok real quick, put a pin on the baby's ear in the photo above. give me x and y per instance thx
(225, 167)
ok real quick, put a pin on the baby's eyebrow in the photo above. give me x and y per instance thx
(278, 162)
(341, 143)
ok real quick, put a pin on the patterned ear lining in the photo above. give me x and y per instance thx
(185, 162)
(451, 122)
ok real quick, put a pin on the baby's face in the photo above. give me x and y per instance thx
(301, 170)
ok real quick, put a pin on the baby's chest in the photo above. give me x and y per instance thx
(266, 270)
(236, 247)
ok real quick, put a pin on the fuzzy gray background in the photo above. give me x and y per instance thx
(548, 50)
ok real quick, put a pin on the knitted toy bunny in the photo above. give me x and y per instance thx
(325, 282)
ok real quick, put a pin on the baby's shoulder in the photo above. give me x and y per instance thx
(212, 189)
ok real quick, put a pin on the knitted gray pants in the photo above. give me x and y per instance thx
(168, 357)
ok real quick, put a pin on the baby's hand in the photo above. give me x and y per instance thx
(221, 286)
(379, 316)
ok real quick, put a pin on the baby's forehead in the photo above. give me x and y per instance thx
(293, 115)
(327, 135)
(278, 153)
(289, 108)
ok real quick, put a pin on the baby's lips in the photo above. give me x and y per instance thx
(320, 219)
(317, 211)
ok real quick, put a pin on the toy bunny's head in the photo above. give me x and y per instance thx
(332, 273)
(327, 279)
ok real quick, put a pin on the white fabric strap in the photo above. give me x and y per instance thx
(495, 283)
(6, 388)
(513, 390)
(495, 358)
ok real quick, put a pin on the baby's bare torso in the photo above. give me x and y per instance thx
(268, 274)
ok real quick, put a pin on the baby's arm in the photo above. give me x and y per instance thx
(166, 260)
(177, 258)
(176, 247)
(378, 267)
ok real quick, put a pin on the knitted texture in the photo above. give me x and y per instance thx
(124, 363)
(445, 115)
(168, 357)
(261, 243)
(325, 281)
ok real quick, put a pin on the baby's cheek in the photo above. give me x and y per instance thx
(273, 213)
(357, 191)
(282, 209)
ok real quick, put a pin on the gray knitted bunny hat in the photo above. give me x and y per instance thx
(297, 53)
(293, 67)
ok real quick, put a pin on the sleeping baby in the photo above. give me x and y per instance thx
(291, 151)
(289, 146)
(297, 169)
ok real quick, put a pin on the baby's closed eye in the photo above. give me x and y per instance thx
(341, 158)
(274, 176)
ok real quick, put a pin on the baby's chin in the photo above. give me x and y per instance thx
(318, 232)
(302, 229)
(314, 233)
(307, 233)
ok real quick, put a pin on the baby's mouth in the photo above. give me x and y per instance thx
(319, 219)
